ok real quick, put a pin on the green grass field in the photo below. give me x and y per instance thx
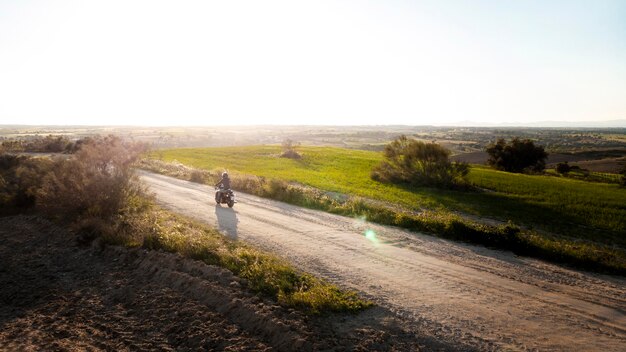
(576, 209)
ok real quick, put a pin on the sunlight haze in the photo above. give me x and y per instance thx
(311, 62)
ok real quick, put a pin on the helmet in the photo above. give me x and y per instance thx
(225, 175)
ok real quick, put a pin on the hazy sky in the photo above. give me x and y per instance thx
(311, 62)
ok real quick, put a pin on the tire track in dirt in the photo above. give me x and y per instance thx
(490, 299)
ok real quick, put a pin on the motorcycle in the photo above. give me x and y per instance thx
(224, 196)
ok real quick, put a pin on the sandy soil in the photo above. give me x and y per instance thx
(463, 294)
(57, 296)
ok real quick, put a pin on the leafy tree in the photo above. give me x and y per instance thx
(623, 172)
(418, 163)
(563, 167)
(517, 155)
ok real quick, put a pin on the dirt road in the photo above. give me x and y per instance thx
(485, 298)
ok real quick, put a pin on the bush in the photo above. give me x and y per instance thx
(197, 177)
(289, 149)
(74, 147)
(563, 168)
(96, 183)
(20, 179)
(418, 163)
(517, 155)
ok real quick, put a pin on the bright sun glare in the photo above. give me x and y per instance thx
(313, 62)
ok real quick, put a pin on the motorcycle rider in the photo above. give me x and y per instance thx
(225, 183)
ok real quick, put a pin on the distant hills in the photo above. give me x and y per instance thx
(621, 123)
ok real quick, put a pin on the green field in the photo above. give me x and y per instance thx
(577, 209)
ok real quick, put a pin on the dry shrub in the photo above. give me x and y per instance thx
(247, 183)
(289, 149)
(197, 176)
(97, 182)
(20, 178)
(37, 144)
(291, 154)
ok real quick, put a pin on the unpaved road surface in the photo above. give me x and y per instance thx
(488, 299)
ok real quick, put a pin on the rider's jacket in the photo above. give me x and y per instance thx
(225, 181)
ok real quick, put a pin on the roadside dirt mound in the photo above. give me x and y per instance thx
(58, 296)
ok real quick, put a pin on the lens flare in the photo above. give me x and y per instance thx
(371, 235)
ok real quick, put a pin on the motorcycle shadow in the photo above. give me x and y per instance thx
(227, 221)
